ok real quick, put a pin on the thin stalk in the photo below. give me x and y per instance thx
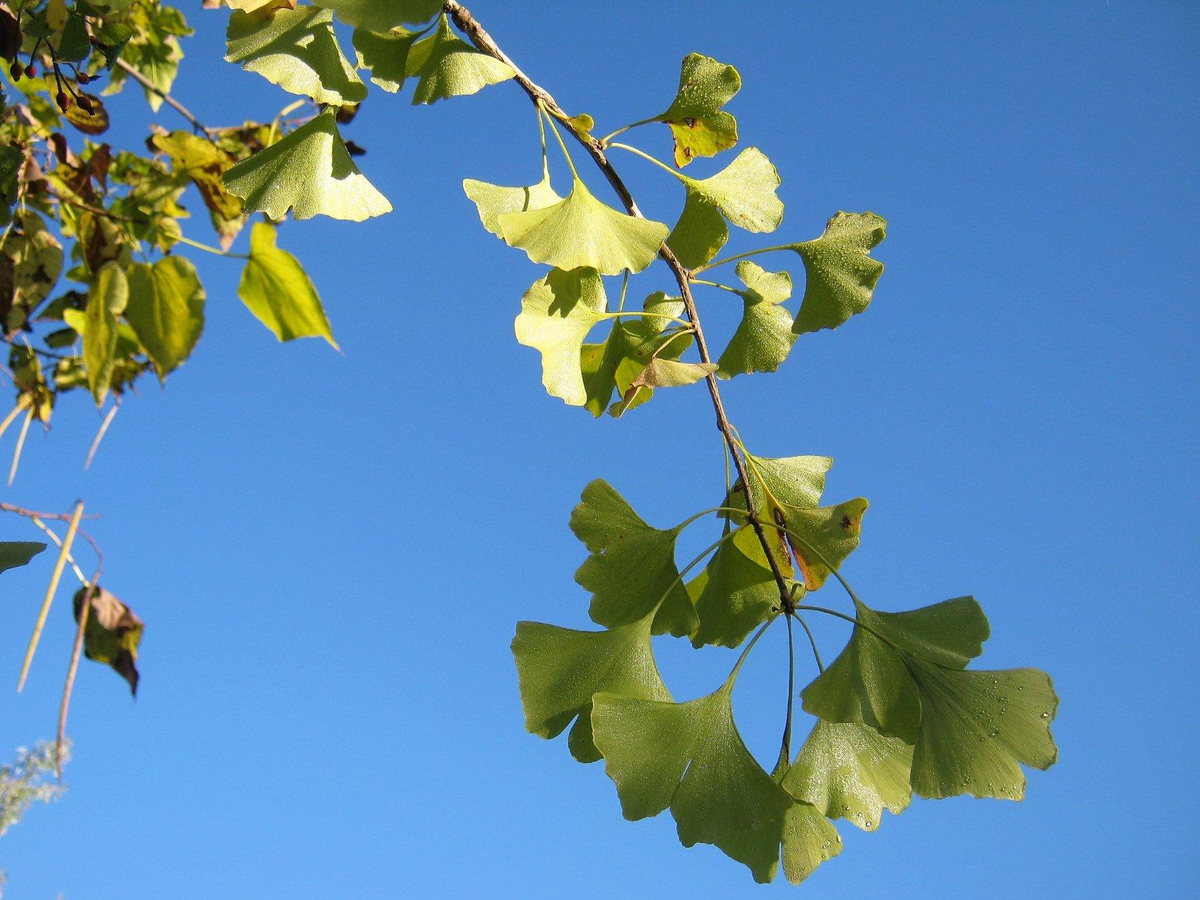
(695, 562)
(624, 290)
(12, 472)
(748, 253)
(57, 541)
(563, 145)
(216, 251)
(737, 667)
(785, 749)
(112, 413)
(55, 577)
(715, 284)
(812, 640)
(645, 315)
(644, 155)
(69, 684)
(622, 130)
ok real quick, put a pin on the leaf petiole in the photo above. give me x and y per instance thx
(748, 253)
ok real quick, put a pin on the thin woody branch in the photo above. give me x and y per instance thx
(166, 97)
(484, 42)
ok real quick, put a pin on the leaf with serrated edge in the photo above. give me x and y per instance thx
(447, 66)
(557, 312)
(697, 122)
(561, 669)
(764, 337)
(297, 50)
(632, 565)
(494, 200)
(582, 231)
(851, 771)
(309, 172)
(841, 273)
(277, 290)
(166, 311)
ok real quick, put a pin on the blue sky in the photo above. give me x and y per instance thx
(331, 551)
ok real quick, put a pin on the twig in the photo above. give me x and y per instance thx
(57, 541)
(76, 652)
(486, 44)
(51, 589)
(100, 436)
(167, 98)
(34, 514)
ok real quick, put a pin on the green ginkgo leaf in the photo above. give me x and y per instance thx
(851, 771)
(14, 554)
(699, 234)
(764, 337)
(382, 16)
(699, 125)
(297, 50)
(841, 273)
(386, 55)
(309, 172)
(617, 363)
(495, 200)
(560, 670)
(447, 66)
(277, 290)
(809, 839)
(631, 572)
(107, 296)
(582, 231)
(166, 311)
(743, 192)
(823, 537)
(557, 312)
(689, 757)
(735, 592)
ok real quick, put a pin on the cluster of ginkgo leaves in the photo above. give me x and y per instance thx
(898, 712)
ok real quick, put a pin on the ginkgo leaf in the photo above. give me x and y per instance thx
(560, 670)
(278, 291)
(735, 592)
(107, 297)
(309, 172)
(809, 839)
(824, 537)
(386, 55)
(495, 200)
(166, 310)
(764, 337)
(615, 364)
(699, 125)
(699, 234)
(113, 633)
(297, 50)
(851, 771)
(631, 571)
(447, 66)
(582, 231)
(381, 16)
(869, 682)
(841, 273)
(690, 757)
(977, 727)
(14, 554)
(672, 373)
(260, 7)
(557, 312)
(743, 192)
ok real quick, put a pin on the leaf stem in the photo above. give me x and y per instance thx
(748, 253)
(624, 289)
(645, 315)
(216, 251)
(812, 640)
(737, 667)
(785, 748)
(604, 140)
(715, 284)
(644, 155)
(561, 143)
(695, 562)
(716, 509)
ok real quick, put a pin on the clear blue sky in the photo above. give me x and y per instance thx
(331, 551)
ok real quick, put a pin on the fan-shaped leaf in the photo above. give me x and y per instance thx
(699, 125)
(841, 274)
(557, 312)
(382, 16)
(386, 55)
(764, 337)
(447, 66)
(494, 200)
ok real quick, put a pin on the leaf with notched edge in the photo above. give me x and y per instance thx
(695, 117)
(557, 312)
(764, 337)
(494, 200)
(113, 633)
(841, 273)
(447, 66)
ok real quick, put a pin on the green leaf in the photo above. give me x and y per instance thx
(149, 43)
(386, 55)
(808, 840)
(14, 554)
(841, 273)
(447, 66)
(166, 311)
(278, 291)
(851, 771)
(764, 337)
(699, 125)
(382, 15)
(560, 670)
(581, 231)
(869, 682)
(113, 633)
(617, 363)
(631, 571)
(735, 593)
(557, 312)
(494, 200)
(309, 172)
(205, 163)
(824, 537)
(699, 234)
(297, 50)
(743, 192)
(689, 757)
(107, 297)
(661, 372)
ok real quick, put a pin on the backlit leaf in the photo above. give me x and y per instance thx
(632, 569)
(278, 291)
(107, 297)
(743, 192)
(764, 337)
(735, 593)
(583, 231)
(494, 200)
(205, 163)
(386, 55)
(699, 125)
(297, 50)
(308, 172)
(841, 273)
(166, 310)
(381, 16)
(447, 66)
(113, 633)
(560, 670)
(699, 234)
(557, 312)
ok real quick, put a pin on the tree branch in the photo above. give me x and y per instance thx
(486, 44)
(167, 98)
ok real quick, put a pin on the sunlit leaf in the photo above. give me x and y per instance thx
(166, 310)
(278, 291)
(382, 15)
(560, 670)
(841, 273)
(744, 191)
(308, 172)
(557, 312)
(205, 163)
(699, 234)
(699, 125)
(297, 50)
(734, 593)
(386, 55)
(583, 231)
(764, 337)
(447, 66)
(107, 297)
(632, 569)
(113, 633)
(494, 200)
